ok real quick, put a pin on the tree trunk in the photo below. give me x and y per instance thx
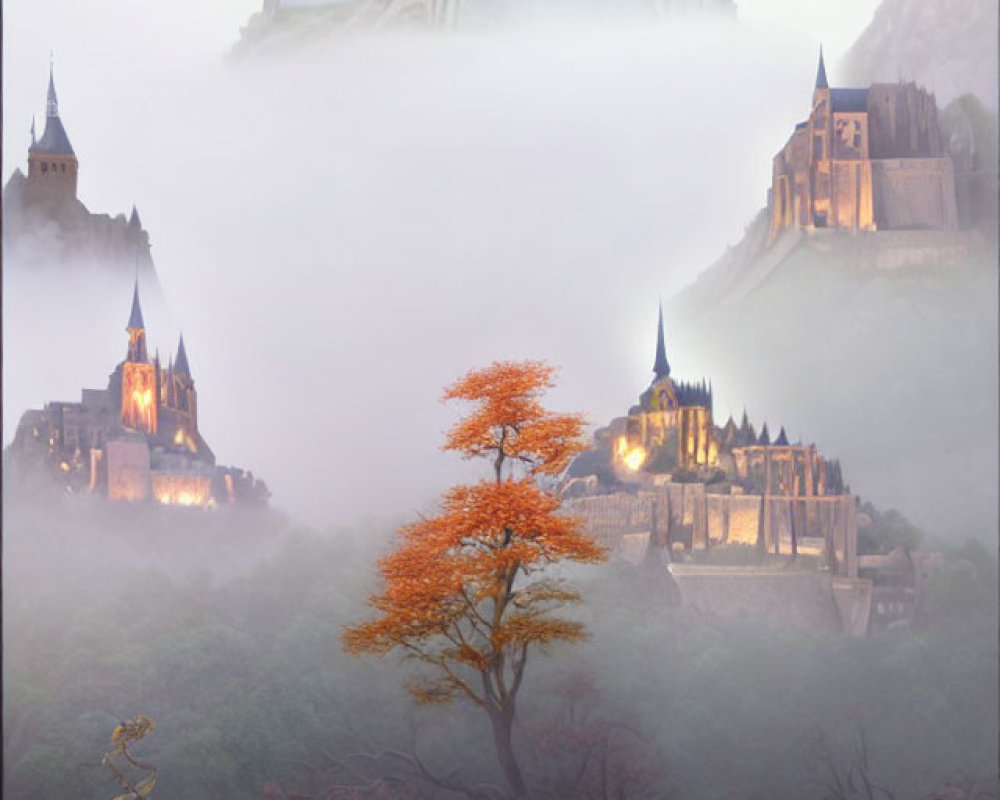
(505, 753)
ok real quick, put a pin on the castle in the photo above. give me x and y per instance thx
(864, 160)
(135, 440)
(46, 224)
(747, 522)
(697, 486)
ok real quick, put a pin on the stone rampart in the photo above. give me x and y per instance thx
(684, 516)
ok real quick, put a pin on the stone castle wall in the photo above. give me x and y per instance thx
(686, 516)
(915, 193)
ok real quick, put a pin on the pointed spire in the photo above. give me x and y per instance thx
(133, 220)
(51, 101)
(181, 364)
(135, 318)
(782, 439)
(821, 72)
(33, 140)
(765, 437)
(54, 139)
(661, 367)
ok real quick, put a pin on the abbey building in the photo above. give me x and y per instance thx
(137, 440)
(864, 160)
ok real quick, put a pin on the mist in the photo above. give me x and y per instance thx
(341, 232)
(342, 229)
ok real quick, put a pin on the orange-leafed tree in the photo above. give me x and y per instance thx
(468, 591)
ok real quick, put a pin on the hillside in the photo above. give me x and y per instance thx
(893, 371)
(949, 46)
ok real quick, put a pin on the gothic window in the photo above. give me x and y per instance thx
(45, 167)
(63, 168)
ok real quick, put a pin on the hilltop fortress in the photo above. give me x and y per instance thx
(701, 487)
(749, 523)
(864, 160)
(875, 179)
(136, 440)
(46, 225)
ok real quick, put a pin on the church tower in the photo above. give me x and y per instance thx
(139, 390)
(820, 154)
(185, 398)
(52, 164)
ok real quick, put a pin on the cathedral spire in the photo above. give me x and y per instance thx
(661, 367)
(136, 331)
(181, 364)
(33, 140)
(133, 220)
(821, 72)
(51, 101)
(135, 322)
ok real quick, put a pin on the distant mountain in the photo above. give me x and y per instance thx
(287, 22)
(948, 46)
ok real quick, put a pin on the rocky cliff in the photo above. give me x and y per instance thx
(949, 46)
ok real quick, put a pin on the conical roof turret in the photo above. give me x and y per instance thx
(782, 439)
(54, 140)
(661, 367)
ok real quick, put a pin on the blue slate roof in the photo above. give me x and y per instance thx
(849, 99)
(54, 141)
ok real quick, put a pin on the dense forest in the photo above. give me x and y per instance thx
(227, 631)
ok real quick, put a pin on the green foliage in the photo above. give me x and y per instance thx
(889, 529)
(248, 685)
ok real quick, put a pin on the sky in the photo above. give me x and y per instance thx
(341, 232)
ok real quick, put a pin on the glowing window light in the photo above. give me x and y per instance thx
(632, 457)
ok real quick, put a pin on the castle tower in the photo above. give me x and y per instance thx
(52, 164)
(139, 390)
(820, 124)
(185, 396)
